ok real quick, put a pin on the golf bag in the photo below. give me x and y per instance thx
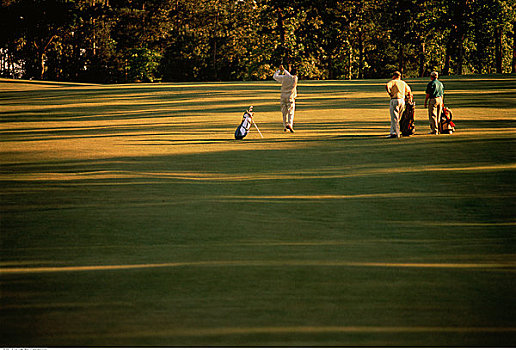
(446, 125)
(407, 127)
(247, 120)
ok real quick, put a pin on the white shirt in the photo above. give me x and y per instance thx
(288, 85)
(397, 89)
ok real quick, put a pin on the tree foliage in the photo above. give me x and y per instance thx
(182, 40)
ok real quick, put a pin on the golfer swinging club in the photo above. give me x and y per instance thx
(288, 82)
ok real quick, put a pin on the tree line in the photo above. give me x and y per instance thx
(116, 41)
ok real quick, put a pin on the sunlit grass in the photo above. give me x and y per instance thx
(131, 217)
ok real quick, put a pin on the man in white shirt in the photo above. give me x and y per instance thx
(397, 90)
(288, 82)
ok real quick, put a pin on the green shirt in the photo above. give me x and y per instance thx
(435, 89)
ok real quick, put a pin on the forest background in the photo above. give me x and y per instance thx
(118, 41)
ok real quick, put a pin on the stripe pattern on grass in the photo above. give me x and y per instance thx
(240, 263)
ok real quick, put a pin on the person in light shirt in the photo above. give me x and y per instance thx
(288, 82)
(398, 90)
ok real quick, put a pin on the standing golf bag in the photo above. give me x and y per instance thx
(245, 125)
(407, 127)
(446, 125)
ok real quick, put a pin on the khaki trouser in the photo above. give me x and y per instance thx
(396, 108)
(288, 107)
(435, 107)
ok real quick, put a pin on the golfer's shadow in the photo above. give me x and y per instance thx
(358, 136)
(183, 142)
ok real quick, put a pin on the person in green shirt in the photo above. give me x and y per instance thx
(434, 100)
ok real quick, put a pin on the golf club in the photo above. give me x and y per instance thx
(256, 126)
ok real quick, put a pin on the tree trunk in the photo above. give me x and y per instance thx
(401, 58)
(460, 55)
(281, 30)
(498, 49)
(514, 47)
(331, 70)
(94, 47)
(215, 46)
(350, 52)
(360, 54)
(42, 64)
(77, 58)
(10, 65)
(422, 54)
(350, 61)
(447, 59)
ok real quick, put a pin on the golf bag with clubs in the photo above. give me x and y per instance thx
(247, 120)
(407, 127)
(446, 125)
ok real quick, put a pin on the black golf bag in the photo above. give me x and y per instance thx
(446, 125)
(407, 127)
(247, 120)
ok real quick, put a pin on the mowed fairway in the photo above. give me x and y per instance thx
(131, 217)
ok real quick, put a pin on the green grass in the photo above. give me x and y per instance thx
(130, 217)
